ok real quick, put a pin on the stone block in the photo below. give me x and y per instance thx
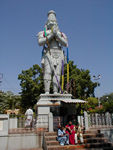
(43, 110)
(4, 124)
(12, 123)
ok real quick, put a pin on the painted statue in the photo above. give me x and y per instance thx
(52, 40)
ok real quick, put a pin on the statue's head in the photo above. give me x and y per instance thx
(51, 19)
(51, 15)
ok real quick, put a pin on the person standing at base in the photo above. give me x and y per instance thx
(29, 117)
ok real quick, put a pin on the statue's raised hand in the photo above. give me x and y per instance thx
(55, 29)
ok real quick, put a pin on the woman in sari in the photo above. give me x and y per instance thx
(70, 130)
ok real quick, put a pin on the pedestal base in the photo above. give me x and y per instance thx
(43, 107)
(52, 99)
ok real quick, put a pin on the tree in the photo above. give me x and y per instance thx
(81, 85)
(9, 101)
(107, 102)
(92, 105)
(3, 104)
(31, 82)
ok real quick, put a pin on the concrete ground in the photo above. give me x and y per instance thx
(33, 149)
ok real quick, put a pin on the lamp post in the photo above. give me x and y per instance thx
(107, 98)
(97, 78)
(1, 77)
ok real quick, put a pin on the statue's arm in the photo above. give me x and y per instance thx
(42, 40)
(62, 38)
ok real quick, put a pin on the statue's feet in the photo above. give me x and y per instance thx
(46, 92)
(55, 92)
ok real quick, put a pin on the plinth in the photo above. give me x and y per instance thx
(43, 107)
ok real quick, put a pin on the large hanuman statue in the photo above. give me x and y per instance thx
(52, 40)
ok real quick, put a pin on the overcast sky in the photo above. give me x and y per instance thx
(88, 25)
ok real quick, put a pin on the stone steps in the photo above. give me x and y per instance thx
(77, 148)
(32, 149)
(50, 133)
(95, 140)
(52, 142)
(98, 145)
(54, 136)
(59, 147)
(50, 138)
(90, 146)
(92, 140)
(87, 140)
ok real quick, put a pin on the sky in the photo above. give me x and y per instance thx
(88, 25)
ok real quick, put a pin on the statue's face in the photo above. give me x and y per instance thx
(51, 23)
(51, 20)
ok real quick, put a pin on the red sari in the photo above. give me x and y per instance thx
(71, 134)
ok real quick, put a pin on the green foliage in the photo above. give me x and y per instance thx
(31, 82)
(81, 85)
(92, 102)
(9, 101)
(107, 102)
(92, 105)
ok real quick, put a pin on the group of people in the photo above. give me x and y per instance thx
(66, 135)
(70, 134)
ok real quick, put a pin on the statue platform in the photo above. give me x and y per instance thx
(53, 99)
(46, 101)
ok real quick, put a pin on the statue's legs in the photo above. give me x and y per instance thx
(49, 63)
(47, 86)
(56, 77)
(47, 75)
(55, 83)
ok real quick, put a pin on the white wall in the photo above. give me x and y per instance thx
(21, 141)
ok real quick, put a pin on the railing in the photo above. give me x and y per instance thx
(98, 120)
(18, 120)
(104, 119)
(88, 120)
(21, 121)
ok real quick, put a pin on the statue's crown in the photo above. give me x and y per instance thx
(51, 12)
(52, 15)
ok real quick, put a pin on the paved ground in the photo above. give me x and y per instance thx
(33, 149)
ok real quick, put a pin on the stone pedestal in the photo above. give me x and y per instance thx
(43, 107)
(4, 124)
(52, 99)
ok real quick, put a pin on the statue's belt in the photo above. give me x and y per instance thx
(56, 54)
